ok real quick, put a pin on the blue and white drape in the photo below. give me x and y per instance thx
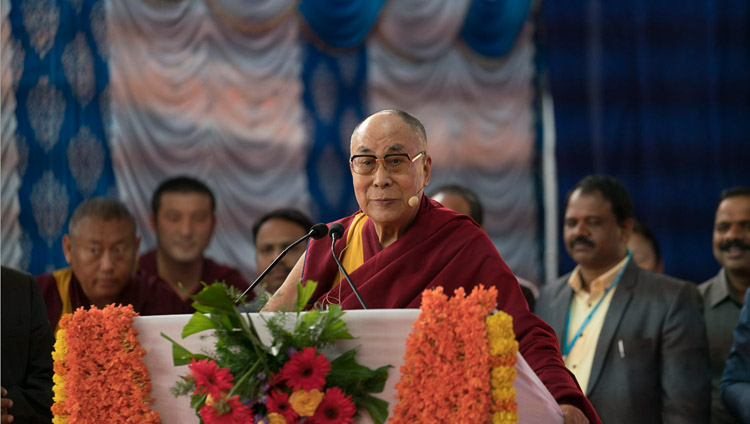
(259, 100)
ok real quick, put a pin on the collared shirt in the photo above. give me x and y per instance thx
(581, 356)
(721, 310)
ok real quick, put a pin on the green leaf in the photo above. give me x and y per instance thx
(198, 322)
(334, 327)
(215, 296)
(378, 408)
(304, 293)
(180, 355)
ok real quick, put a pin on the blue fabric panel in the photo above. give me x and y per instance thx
(335, 98)
(492, 26)
(341, 23)
(658, 95)
(75, 164)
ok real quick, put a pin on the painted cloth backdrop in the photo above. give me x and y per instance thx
(657, 94)
(259, 99)
(54, 143)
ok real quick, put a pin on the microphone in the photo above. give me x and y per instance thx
(414, 200)
(336, 232)
(317, 232)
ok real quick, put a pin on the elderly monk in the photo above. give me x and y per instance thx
(101, 248)
(401, 243)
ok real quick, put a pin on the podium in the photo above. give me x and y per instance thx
(380, 336)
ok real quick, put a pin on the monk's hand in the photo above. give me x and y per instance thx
(573, 415)
(5, 404)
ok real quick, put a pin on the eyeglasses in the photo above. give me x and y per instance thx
(396, 163)
(116, 253)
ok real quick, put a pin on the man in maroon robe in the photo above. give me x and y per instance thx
(183, 219)
(101, 247)
(401, 243)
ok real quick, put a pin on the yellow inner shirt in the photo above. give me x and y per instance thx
(581, 356)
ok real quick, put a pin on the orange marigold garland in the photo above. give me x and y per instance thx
(446, 372)
(99, 371)
(503, 348)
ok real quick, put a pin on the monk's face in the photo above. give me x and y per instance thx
(183, 225)
(384, 196)
(102, 255)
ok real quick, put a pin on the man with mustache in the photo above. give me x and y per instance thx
(723, 294)
(272, 233)
(634, 339)
(182, 217)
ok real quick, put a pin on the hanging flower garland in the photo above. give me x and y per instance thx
(99, 371)
(459, 363)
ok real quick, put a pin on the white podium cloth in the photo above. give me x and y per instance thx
(381, 337)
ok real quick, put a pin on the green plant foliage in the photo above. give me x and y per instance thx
(252, 363)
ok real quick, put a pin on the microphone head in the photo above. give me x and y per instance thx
(336, 230)
(413, 201)
(318, 231)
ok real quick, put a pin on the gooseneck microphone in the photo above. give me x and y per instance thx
(317, 232)
(336, 232)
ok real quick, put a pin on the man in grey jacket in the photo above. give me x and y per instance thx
(635, 340)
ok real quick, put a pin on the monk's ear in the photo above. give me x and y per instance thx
(67, 248)
(427, 170)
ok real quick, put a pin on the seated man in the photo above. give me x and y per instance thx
(273, 233)
(101, 247)
(182, 217)
(26, 351)
(465, 201)
(401, 243)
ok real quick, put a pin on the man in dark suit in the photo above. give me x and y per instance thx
(635, 340)
(26, 351)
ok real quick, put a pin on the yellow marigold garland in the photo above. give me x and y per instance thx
(503, 348)
(99, 371)
(58, 356)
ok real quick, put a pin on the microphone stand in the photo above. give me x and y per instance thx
(315, 232)
(346, 274)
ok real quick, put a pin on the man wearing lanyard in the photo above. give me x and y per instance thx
(635, 340)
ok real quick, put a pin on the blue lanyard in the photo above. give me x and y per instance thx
(569, 346)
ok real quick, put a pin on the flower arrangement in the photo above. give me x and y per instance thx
(99, 371)
(459, 363)
(289, 380)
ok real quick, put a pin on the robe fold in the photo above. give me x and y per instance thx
(148, 296)
(440, 248)
(212, 272)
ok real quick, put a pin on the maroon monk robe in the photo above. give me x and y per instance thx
(148, 296)
(212, 272)
(443, 248)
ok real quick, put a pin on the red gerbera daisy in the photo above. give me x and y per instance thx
(278, 402)
(335, 408)
(226, 411)
(210, 378)
(305, 370)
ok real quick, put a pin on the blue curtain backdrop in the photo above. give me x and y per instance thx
(64, 157)
(658, 95)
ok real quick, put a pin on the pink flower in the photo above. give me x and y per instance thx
(278, 402)
(336, 408)
(226, 411)
(305, 370)
(210, 378)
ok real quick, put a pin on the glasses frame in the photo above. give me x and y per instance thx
(375, 158)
